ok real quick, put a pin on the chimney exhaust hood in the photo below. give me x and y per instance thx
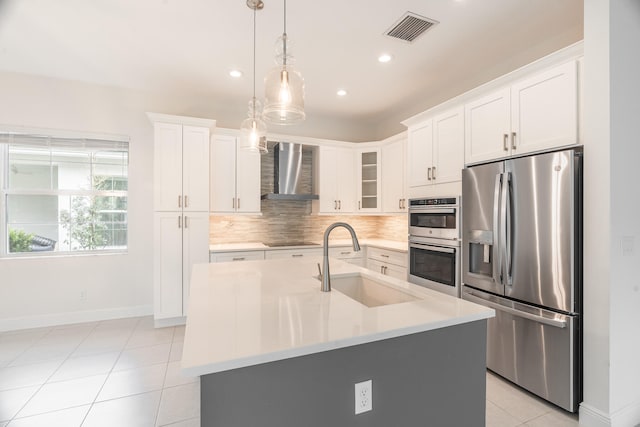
(287, 173)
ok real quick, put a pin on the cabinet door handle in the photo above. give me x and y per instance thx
(186, 221)
(399, 203)
(297, 255)
(345, 253)
(429, 174)
(513, 140)
(359, 204)
(381, 269)
(179, 201)
(404, 203)
(433, 173)
(238, 259)
(180, 221)
(238, 202)
(505, 142)
(384, 256)
(339, 205)
(335, 205)
(385, 270)
(186, 201)
(234, 203)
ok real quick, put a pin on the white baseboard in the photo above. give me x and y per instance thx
(625, 417)
(592, 417)
(172, 321)
(16, 323)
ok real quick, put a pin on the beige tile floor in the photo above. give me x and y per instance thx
(126, 373)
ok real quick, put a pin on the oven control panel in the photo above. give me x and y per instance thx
(434, 202)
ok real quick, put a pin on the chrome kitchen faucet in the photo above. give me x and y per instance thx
(325, 276)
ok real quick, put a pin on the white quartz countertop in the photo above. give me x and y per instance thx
(253, 246)
(247, 313)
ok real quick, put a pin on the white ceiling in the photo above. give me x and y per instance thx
(189, 46)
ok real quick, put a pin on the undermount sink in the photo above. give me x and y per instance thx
(368, 291)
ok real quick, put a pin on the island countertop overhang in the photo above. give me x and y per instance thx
(244, 314)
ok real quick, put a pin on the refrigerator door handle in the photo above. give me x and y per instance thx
(507, 218)
(502, 226)
(496, 262)
(544, 320)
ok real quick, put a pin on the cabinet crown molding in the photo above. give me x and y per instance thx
(181, 120)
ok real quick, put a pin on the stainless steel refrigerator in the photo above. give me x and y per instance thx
(522, 256)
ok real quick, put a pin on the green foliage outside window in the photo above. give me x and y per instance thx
(19, 241)
(82, 222)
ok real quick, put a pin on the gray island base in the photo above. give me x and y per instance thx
(434, 378)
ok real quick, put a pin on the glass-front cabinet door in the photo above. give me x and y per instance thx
(369, 180)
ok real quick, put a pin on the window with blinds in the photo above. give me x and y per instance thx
(63, 195)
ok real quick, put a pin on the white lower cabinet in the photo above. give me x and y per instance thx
(181, 240)
(293, 253)
(347, 254)
(388, 262)
(236, 256)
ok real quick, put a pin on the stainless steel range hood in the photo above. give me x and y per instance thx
(287, 170)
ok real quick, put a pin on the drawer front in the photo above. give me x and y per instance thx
(293, 253)
(387, 256)
(387, 269)
(236, 256)
(345, 252)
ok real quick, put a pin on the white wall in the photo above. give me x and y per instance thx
(612, 203)
(44, 291)
(625, 212)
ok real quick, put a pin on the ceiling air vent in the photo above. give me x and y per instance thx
(410, 27)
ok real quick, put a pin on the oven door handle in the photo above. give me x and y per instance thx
(432, 248)
(433, 210)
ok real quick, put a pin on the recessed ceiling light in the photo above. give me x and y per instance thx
(341, 92)
(235, 73)
(385, 57)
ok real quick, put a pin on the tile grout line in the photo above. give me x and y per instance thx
(111, 370)
(53, 373)
(164, 380)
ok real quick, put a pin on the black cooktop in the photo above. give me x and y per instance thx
(281, 244)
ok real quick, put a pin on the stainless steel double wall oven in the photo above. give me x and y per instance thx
(434, 244)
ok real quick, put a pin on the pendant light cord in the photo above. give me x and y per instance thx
(284, 36)
(253, 101)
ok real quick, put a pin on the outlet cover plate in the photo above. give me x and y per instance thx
(364, 397)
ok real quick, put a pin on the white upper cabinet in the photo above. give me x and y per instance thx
(534, 114)
(336, 179)
(167, 167)
(448, 146)
(195, 176)
(368, 182)
(436, 149)
(544, 110)
(181, 168)
(235, 177)
(487, 127)
(420, 154)
(394, 177)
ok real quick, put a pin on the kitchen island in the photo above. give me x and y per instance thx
(273, 350)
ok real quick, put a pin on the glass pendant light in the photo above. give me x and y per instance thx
(284, 86)
(253, 130)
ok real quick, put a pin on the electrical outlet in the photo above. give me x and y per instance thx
(364, 397)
